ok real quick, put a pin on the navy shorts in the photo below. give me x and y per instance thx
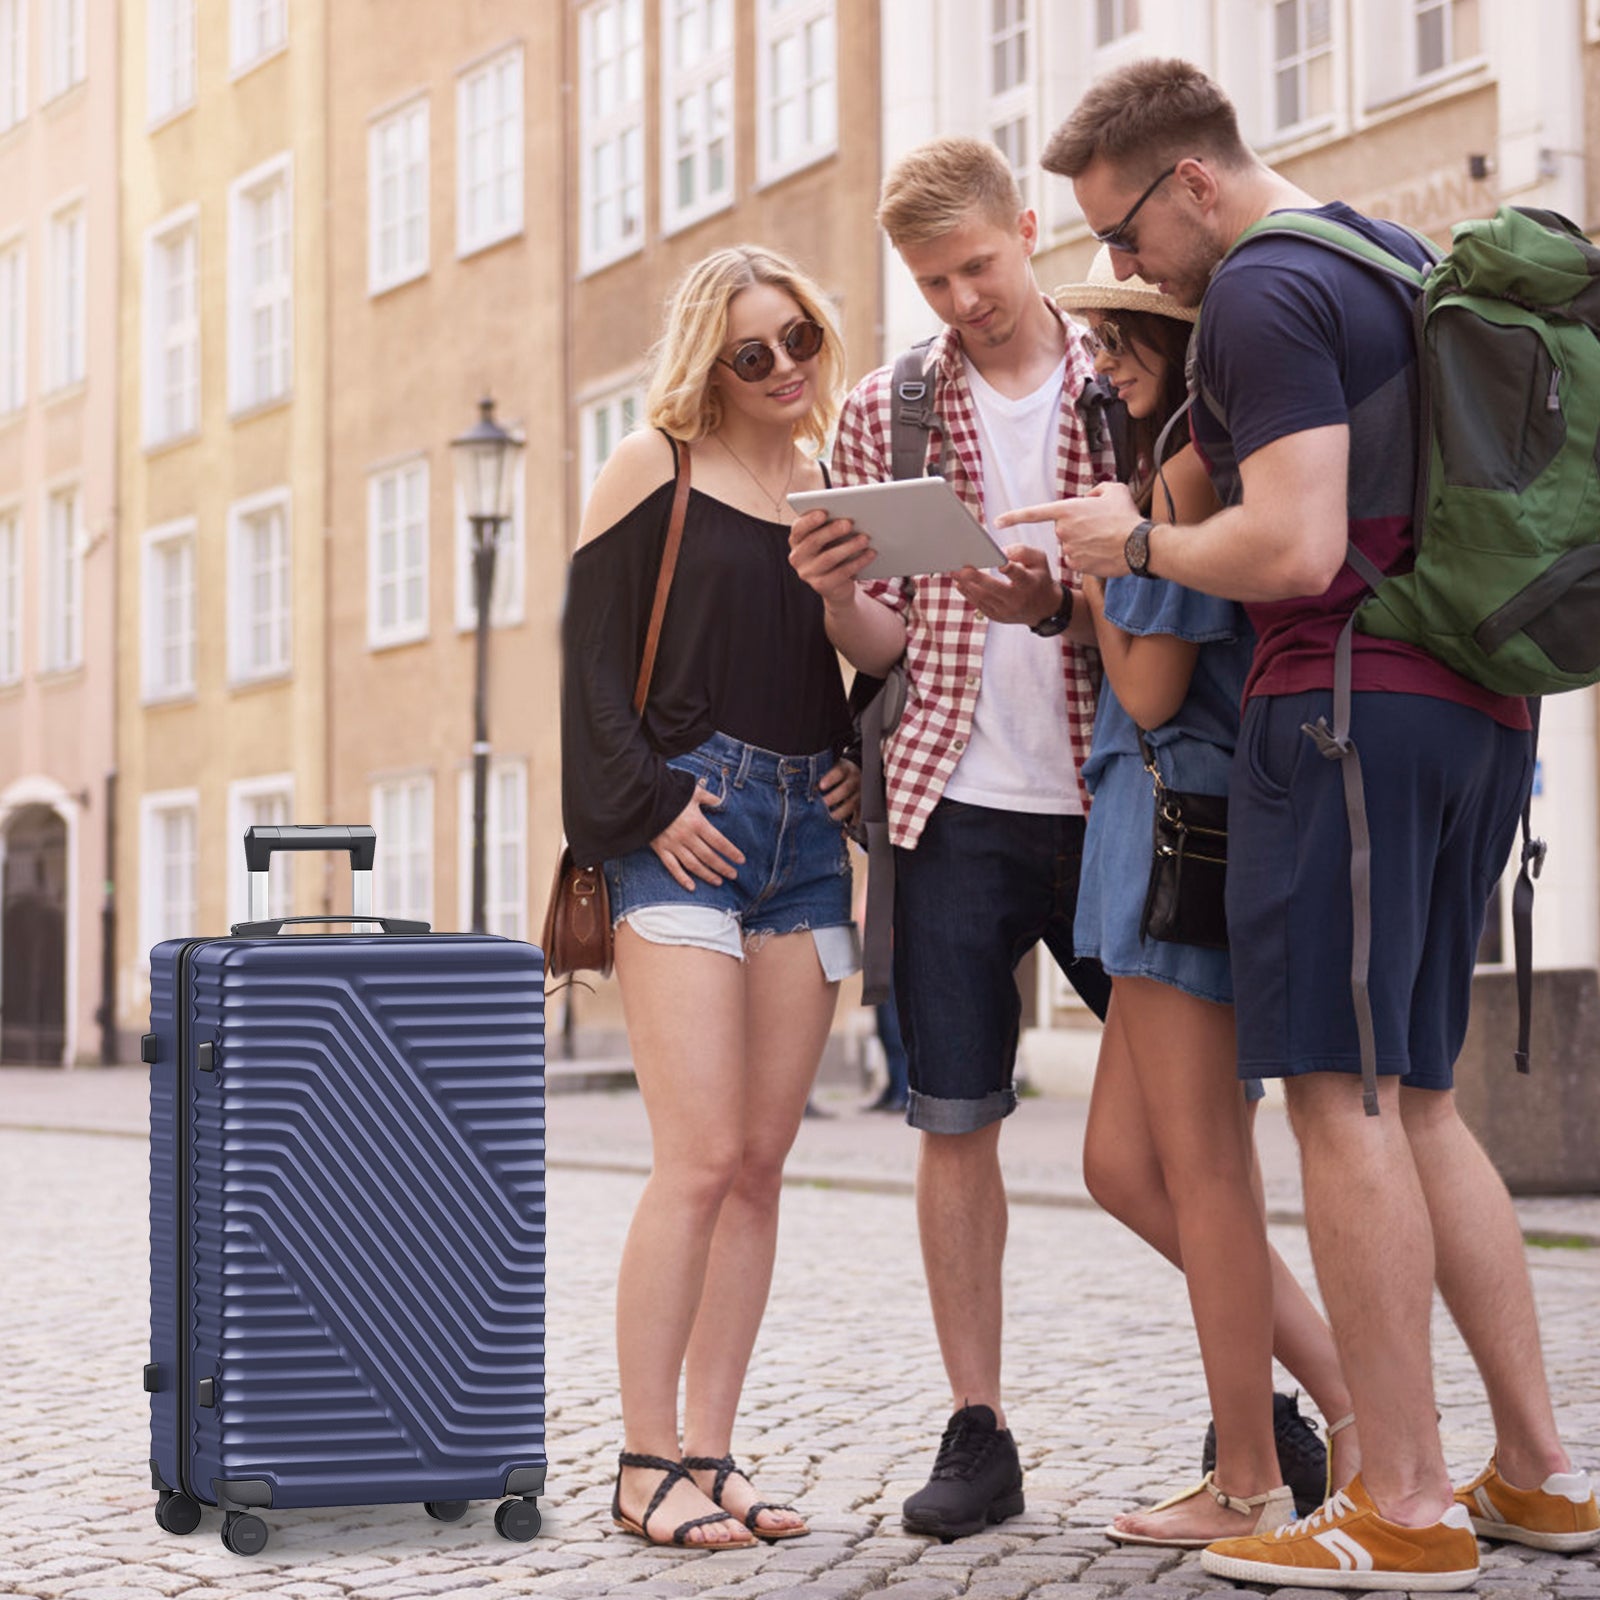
(981, 888)
(1444, 787)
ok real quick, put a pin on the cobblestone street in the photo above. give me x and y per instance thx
(843, 1409)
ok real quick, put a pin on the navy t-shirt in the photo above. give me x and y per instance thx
(1295, 336)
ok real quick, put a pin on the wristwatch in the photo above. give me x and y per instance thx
(1136, 551)
(1059, 620)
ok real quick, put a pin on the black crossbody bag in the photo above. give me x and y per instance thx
(1185, 902)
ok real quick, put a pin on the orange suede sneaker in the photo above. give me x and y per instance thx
(1560, 1514)
(1345, 1544)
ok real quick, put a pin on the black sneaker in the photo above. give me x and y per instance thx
(977, 1479)
(1302, 1458)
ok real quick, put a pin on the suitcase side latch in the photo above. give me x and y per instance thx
(205, 1057)
(149, 1049)
(152, 1379)
(206, 1392)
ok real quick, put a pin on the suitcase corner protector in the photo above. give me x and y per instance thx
(525, 1480)
(233, 1492)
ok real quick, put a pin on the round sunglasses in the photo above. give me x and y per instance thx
(754, 359)
(1107, 337)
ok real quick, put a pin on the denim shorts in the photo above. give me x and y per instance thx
(1444, 786)
(795, 876)
(982, 887)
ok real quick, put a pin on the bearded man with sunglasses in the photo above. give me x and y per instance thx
(986, 803)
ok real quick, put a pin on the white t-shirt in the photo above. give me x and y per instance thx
(1019, 753)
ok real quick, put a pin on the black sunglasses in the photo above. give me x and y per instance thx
(754, 359)
(1114, 237)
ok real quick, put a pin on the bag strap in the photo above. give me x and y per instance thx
(1533, 854)
(913, 418)
(669, 565)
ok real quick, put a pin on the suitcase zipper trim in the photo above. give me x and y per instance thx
(185, 1208)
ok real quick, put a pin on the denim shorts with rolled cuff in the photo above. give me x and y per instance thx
(1444, 786)
(981, 888)
(795, 876)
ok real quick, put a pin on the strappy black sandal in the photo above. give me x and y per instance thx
(725, 1467)
(674, 1470)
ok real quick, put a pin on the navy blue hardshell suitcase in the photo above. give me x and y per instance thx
(346, 1216)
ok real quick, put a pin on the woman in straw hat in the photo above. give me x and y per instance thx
(1168, 1148)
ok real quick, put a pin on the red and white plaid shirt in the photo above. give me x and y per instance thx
(944, 634)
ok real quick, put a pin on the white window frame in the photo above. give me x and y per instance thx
(163, 338)
(249, 44)
(13, 63)
(61, 582)
(13, 544)
(777, 22)
(157, 919)
(504, 221)
(155, 688)
(1018, 101)
(1300, 61)
(616, 126)
(245, 796)
(242, 514)
(611, 407)
(13, 324)
(405, 860)
(66, 302)
(406, 629)
(246, 296)
(65, 46)
(505, 905)
(697, 82)
(171, 55)
(508, 598)
(1453, 61)
(408, 265)
(1121, 28)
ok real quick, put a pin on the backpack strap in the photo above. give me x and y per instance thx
(1533, 853)
(913, 418)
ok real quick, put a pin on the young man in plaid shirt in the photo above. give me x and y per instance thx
(986, 803)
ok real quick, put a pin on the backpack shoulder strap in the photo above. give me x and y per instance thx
(1105, 421)
(1340, 239)
(913, 417)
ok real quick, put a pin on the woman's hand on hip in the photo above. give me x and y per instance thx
(690, 844)
(841, 791)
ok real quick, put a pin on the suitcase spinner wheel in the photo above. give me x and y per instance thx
(518, 1520)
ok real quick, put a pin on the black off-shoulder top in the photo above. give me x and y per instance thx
(743, 652)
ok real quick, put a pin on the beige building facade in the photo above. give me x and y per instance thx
(59, 343)
(221, 633)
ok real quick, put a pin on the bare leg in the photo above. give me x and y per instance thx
(1483, 1275)
(685, 1010)
(961, 1216)
(1373, 1245)
(789, 1007)
(1122, 1173)
(1183, 1055)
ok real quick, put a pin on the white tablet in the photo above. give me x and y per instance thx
(916, 525)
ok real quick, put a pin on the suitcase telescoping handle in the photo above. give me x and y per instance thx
(358, 840)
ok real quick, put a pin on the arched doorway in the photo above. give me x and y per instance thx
(33, 939)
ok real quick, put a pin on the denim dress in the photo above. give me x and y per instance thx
(1194, 751)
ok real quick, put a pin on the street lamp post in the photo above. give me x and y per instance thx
(485, 457)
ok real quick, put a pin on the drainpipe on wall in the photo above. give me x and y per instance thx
(106, 1014)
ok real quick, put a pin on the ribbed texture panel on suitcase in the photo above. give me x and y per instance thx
(369, 1216)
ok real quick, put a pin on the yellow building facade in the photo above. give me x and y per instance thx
(221, 634)
(58, 522)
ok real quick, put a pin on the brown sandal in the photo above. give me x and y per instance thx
(674, 1472)
(725, 1467)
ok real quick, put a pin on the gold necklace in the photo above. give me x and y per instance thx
(766, 493)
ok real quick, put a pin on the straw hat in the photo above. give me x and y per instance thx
(1104, 291)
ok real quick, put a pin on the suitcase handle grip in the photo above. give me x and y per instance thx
(267, 929)
(359, 840)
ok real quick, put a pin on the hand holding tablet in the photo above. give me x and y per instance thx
(915, 525)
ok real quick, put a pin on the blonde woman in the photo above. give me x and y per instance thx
(718, 815)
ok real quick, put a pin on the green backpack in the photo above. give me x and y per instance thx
(1506, 585)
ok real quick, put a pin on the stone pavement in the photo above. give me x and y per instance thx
(843, 1406)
